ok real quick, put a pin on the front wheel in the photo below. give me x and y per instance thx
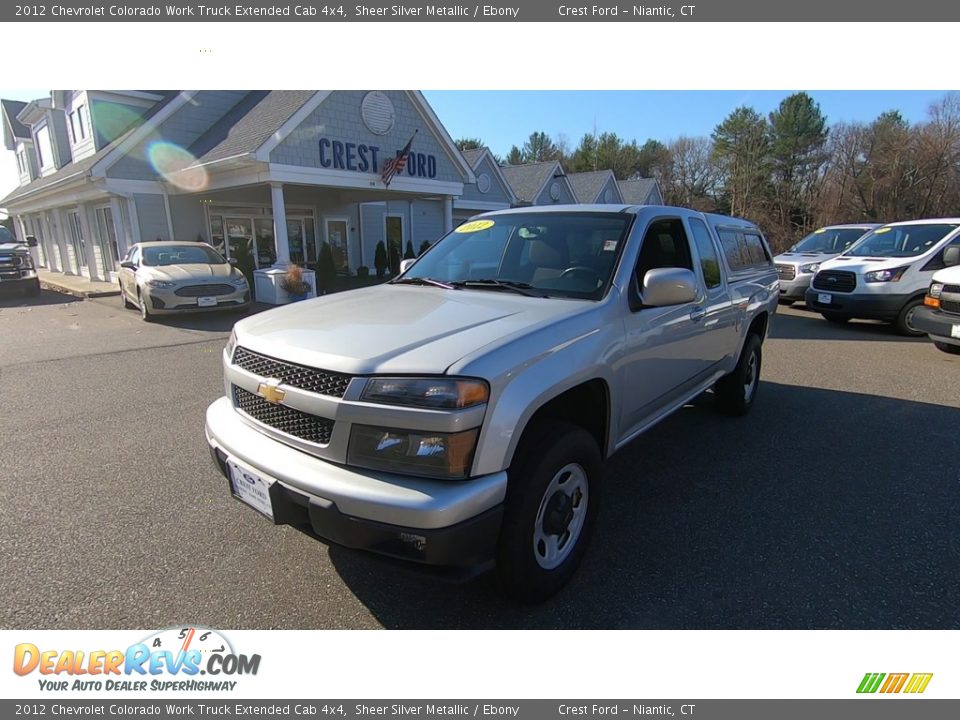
(947, 348)
(552, 501)
(904, 322)
(736, 392)
(145, 313)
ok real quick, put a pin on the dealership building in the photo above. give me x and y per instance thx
(269, 173)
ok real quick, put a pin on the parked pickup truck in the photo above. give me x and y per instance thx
(459, 415)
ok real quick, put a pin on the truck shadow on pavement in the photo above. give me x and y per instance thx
(821, 509)
(802, 324)
(46, 297)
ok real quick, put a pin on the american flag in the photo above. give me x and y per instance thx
(396, 164)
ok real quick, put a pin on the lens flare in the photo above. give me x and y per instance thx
(176, 166)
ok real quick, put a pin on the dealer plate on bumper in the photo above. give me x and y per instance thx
(955, 331)
(206, 302)
(824, 298)
(251, 488)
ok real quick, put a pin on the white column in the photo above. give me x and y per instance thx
(447, 214)
(279, 226)
(119, 227)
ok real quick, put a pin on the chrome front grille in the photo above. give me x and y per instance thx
(306, 378)
(285, 419)
(787, 272)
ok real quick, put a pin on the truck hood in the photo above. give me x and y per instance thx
(861, 265)
(803, 258)
(395, 328)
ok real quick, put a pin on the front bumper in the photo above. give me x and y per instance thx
(858, 305)
(445, 524)
(20, 284)
(937, 324)
(167, 302)
(796, 288)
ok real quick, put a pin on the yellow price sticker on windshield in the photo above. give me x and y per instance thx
(475, 226)
(881, 231)
(820, 231)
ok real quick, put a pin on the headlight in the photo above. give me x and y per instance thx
(161, 284)
(810, 268)
(239, 280)
(27, 262)
(446, 393)
(231, 344)
(893, 275)
(935, 290)
(413, 452)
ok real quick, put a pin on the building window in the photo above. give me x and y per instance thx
(22, 161)
(44, 148)
(73, 126)
(80, 125)
(76, 237)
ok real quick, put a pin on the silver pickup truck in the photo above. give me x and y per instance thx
(459, 415)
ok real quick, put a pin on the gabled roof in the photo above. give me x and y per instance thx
(528, 180)
(12, 108)
(82, 167)
(473, 155)
(587, 186)
(249, 124)
(637, 192)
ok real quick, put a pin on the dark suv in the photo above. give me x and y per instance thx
(16, 266)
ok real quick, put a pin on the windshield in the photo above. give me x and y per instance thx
(901, 240)
(829, 240)
(181, 255)
(554, 254)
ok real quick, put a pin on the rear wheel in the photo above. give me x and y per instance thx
(551, 506)
(737, 391)
(947, 347)
(835, 318)
(904, 322)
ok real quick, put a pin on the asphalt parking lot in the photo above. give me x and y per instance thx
(834, 504)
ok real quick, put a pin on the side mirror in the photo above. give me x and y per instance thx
(128, 265)
(31, 241)
(669, 286)
(406, 264)
(951, 256)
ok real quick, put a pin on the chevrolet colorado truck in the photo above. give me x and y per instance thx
(459, 415)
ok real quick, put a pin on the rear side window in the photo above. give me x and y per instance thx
(744, 250)
(709, 261)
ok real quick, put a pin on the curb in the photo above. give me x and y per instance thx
(48, 285)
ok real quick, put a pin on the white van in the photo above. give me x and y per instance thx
(885, 275)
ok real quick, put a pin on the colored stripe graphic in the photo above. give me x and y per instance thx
(894, 683)
(918, 683)
(870, 682)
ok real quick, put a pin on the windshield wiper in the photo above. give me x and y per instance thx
(424, 281)
(521, 288)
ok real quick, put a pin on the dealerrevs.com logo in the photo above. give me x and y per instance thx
(170, 659)
(911, 683)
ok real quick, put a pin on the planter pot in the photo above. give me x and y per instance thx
(298, 298)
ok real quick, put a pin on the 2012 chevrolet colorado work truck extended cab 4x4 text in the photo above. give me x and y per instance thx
(459, 415)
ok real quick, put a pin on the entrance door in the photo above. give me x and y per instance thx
(394, 242)
(339, 244)
(295, 241)
(109, 253)
(239, 232)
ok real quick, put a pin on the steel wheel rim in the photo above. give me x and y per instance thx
(908, 319)
(551, 547)
(750, 377)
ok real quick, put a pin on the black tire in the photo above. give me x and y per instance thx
(126, 304)
(947, 348)
(552, 455)
(145, 313)
(903, 323)
(33, 289)
(737, 391)
(786, 302)
(835, 318)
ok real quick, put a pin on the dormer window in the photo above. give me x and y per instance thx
(22, 161)
(78, 129)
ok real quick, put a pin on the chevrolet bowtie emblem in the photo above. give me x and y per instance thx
(270, 391)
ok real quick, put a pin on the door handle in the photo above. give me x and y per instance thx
(697, 314)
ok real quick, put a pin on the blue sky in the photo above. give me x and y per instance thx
(502, 119)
